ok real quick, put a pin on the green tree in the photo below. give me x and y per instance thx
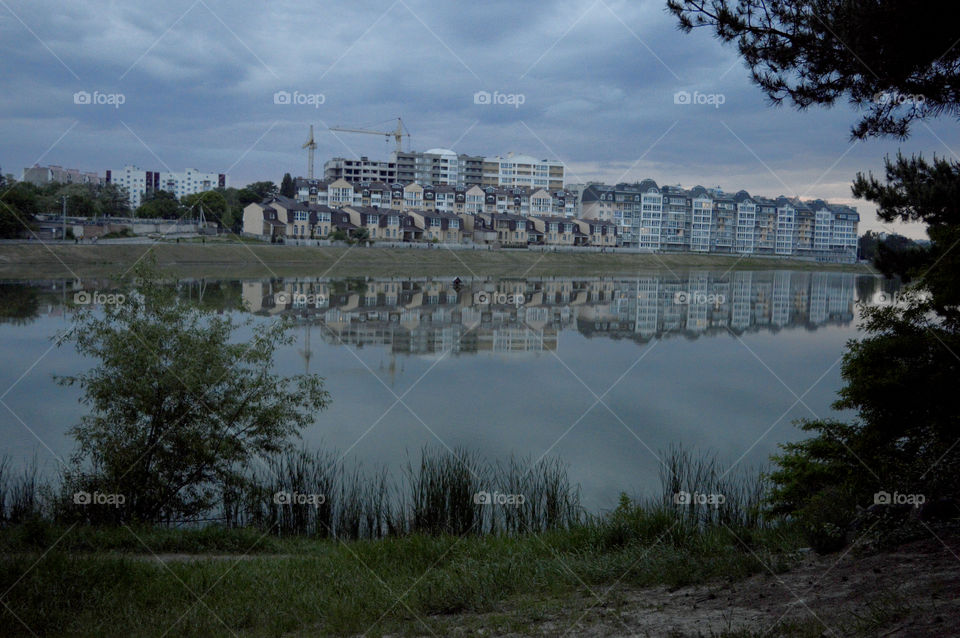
(287, 188)
(113, 200)
(160, 204)
(914, 190)
(18, 205)
(901, 378)
(213, 202)
(895, 60)
(81, 199)
(178, 406)
(233, 218)
(257, 191)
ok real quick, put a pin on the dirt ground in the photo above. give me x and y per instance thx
(913, 591)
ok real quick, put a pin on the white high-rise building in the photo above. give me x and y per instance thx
(522, 170)
(139, 182)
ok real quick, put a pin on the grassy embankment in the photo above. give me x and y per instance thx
(219, 258)
(79, 579)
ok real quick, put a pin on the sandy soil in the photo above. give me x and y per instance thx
(913, 591)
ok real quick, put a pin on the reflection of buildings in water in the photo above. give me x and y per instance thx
(423, 316)
(706, 303)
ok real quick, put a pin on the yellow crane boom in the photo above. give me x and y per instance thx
(397, 134)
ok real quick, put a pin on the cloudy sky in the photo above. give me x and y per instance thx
(593, 83)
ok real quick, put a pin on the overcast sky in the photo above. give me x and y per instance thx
(598, 81)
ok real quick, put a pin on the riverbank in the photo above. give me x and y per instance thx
(225, 259)
(651, 578)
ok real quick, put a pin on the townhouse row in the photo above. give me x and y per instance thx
(280, 218)
(475, 199)
(670, 218)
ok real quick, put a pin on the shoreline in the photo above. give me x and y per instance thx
(246, 260)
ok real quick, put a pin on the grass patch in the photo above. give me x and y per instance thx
(253, 259)
(371, 564)
(327, 587)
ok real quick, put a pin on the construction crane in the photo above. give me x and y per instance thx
(311, 146)
(396, 134)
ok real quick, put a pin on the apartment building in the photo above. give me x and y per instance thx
(522, 170)
(708, 220)
(140, 183)
(443, 166)
(40, 175)
(620, 204)
(359, 170)
(438, 166)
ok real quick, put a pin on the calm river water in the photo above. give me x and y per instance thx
(601, 372)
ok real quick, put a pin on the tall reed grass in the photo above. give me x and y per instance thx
(439, 491)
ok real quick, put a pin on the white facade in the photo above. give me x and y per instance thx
(701, 224)
(786, 223)
(745, 229)
(190, 182)
(822, 229)
(138, 182)
(651, 219)
(134, 180)
(521, 170)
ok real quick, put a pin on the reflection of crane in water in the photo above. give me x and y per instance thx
(307, 351)
(392, 367)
